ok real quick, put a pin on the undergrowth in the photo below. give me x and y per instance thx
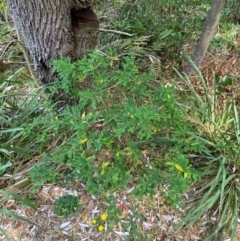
(104, 140)
(129, 129)
(215, 123)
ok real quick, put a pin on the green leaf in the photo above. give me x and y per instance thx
(178, 167)
(170, 163)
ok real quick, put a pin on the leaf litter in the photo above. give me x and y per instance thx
(154, 218)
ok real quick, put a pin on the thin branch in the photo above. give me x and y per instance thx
(115, 31)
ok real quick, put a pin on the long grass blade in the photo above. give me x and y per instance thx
(11, 130)
(6, 152)
(236, 122)
(5, 234)
(18, 198)
(17, 217)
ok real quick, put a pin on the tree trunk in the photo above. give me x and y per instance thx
(207, 34)
(54, 28)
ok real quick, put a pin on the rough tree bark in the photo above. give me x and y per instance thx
(207, 34)
(54, 28)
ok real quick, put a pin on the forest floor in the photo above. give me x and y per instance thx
(146, 219)
(138, 219)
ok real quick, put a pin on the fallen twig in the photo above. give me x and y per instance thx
(115, 31)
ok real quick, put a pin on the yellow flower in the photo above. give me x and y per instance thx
(94, 221)
(100, 228)
(103, 216)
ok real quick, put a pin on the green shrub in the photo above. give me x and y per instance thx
(121, 114)
(66, 205)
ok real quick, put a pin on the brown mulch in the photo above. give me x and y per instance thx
(153, 216)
